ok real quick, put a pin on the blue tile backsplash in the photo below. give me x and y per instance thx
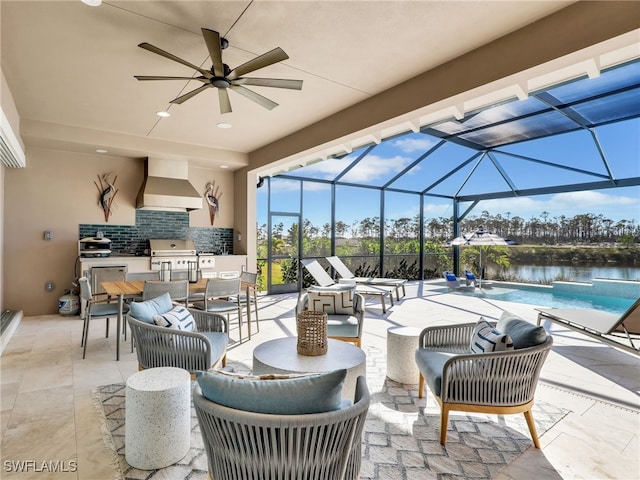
(127, 239)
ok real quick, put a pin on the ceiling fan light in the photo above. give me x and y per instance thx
(224, 125)
(92, 3)
(163, 114)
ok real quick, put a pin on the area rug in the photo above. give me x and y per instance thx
(400, 440)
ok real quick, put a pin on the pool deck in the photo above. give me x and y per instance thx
(47, 409)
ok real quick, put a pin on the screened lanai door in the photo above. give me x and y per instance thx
(284, 241)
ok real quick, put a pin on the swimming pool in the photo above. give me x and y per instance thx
(546, 297)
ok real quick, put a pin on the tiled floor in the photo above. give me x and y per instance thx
(48, 415)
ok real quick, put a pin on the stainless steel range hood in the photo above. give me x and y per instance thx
(166, 186)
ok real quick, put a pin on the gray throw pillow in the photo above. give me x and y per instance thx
(523, 334)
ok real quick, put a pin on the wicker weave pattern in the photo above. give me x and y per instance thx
(494, 382)
(312, 333)
(249, 446)
(163, 347)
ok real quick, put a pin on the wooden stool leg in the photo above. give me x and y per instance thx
(421, 386)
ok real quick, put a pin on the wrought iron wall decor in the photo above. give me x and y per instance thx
(212, 195)
(107, 191)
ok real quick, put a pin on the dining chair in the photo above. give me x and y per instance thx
(178, 290)
(98, 305)
(249, 296)
(222, 295)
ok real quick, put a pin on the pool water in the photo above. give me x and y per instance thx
(538, 297)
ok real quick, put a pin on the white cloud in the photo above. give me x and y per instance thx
(374, 167)
(410, 145)
(569, 204)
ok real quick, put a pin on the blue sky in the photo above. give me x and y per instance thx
(620, 143)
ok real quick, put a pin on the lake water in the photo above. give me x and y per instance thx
(547, 273)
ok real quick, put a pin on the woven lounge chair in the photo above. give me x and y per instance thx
(495, 382)
(248, 445)
(606, 327)
(346, 276)
(323, 279)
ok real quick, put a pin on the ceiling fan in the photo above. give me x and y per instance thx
(220, 76)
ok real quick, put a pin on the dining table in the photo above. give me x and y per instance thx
(134, 288)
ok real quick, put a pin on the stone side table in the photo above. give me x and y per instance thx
(157, 417)
(402, 343)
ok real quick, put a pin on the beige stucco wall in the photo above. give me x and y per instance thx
(56, 192)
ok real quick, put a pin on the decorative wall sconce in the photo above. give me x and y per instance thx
(107, 190)
(212, 195)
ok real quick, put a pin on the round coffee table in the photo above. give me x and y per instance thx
(281, 356)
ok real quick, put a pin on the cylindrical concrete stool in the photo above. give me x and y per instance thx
(402, 343)
(157, 417)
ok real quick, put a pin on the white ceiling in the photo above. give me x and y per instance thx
(70, 67)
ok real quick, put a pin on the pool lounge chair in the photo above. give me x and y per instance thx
(470, 278)
(606, 327)
(346, 276)
(323, 279)
(454, 284)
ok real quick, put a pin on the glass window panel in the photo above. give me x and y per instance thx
(614, 107)
(621, 145)
(316, 214)
(608, 81)
(524, 129)
(380, 165)
(573, 149)
(328, 169)
(262, 219)
(492, 115)
(285, 195)
(357, 221)
(402, 223)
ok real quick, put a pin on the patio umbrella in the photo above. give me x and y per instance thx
(481, 237)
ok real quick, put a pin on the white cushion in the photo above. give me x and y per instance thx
(179, 318)
(332, 302)
(486, 338)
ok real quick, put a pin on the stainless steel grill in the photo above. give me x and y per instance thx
(178, 253)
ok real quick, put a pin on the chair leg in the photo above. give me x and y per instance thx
(528, 415)
(87, 320)
(255, 302)
(444, 421)
(107, 328)
(421, 386)
(384, 306)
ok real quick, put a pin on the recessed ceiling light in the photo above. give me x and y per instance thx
(101, 150)
(163, 114)
(92, 3)
(224, 166)
(224, 125)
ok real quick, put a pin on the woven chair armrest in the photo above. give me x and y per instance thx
(209, 321)
(456, 338)
(158, 339)
(496, 378)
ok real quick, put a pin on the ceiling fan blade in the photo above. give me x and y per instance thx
(212, 39)
(153, 77)
(269, 82)
(192, 93)
(170, 56)
(256, 97)
(225, 103)
(274, 56)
